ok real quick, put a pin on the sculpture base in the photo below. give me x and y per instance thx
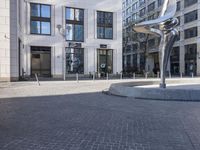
(177, 89)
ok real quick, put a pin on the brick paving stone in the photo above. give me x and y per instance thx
(94, 121)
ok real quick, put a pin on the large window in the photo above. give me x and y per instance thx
(74, 24)
(104, 25)
(188, 3)
(191, 32)
(40, 19)
(191, 16)
(74, 60)
(151, 7)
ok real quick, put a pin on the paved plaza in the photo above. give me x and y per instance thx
(78, 116)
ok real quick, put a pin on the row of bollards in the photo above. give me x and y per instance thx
(121, 76)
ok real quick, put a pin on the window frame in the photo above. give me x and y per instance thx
(40, 19)
(104, 25)
(74, 22)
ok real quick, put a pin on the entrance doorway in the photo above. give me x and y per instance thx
(41, 61)
(104, 61)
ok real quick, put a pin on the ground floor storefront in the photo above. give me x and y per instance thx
(61, 62)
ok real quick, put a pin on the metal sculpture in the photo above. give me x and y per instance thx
(165, 29)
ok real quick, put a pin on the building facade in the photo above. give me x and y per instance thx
(58, 38)
(140, 52)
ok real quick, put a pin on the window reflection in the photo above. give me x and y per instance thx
(74, 24)
(40, 19)
(74, 60)
(104, 25)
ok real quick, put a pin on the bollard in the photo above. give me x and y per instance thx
(93, 76)
(77, 79)
(37, 79)
(121, 76)
(192, 75)
(146, 75)
(107, 76)
(133, 75)
(181, 75)
(170, 76)
(158, 74)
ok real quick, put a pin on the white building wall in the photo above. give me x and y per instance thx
(5, 40)
(91, 43)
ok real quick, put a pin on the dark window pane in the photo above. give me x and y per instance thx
(45, 11)
(79, 15)
(35, 10)
(108, 18)
(69, 32)
(69, 13)
(100, 32)
(45, 27)
(79, 33)
(108, 33)
(35, 27)
(100, 18)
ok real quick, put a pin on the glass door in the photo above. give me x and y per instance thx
(104, 61)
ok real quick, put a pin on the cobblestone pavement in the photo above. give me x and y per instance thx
(93, 121)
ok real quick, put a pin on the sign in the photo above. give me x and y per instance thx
(75, 45)
(103, 46)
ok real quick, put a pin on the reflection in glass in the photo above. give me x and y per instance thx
(105, 61)
(74, 60)
(69, 31)
(45, 26)
(108, 33)
(100, 32)
(35, 27)
(35, 10)
(45, 11)
(79, 15)
(79, 33)
(69, 13)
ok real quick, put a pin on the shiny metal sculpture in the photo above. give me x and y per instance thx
(166, 30)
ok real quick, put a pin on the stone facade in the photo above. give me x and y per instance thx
(14, 62)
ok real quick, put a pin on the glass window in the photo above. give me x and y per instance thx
(69, 14)
(45, 27)
(78, 32)
(35, 10)
(74, 60)
(104, 25)
(45, 11)
(69, 31)
(40, 19)
(74, 24)
(35, 27)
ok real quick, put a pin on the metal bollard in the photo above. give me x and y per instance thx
(77, 79)
(107, 76)
(121, 76)
(192, 75)
(37, 79)
(170, 76)
(181, 75)
(93, 76)
(146, 75)
(133, 75)
(158, 74)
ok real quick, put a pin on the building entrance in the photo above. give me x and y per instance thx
(104, 61)
(41, 61)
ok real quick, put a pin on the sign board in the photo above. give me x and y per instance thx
(103, 46)
(75, 45)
